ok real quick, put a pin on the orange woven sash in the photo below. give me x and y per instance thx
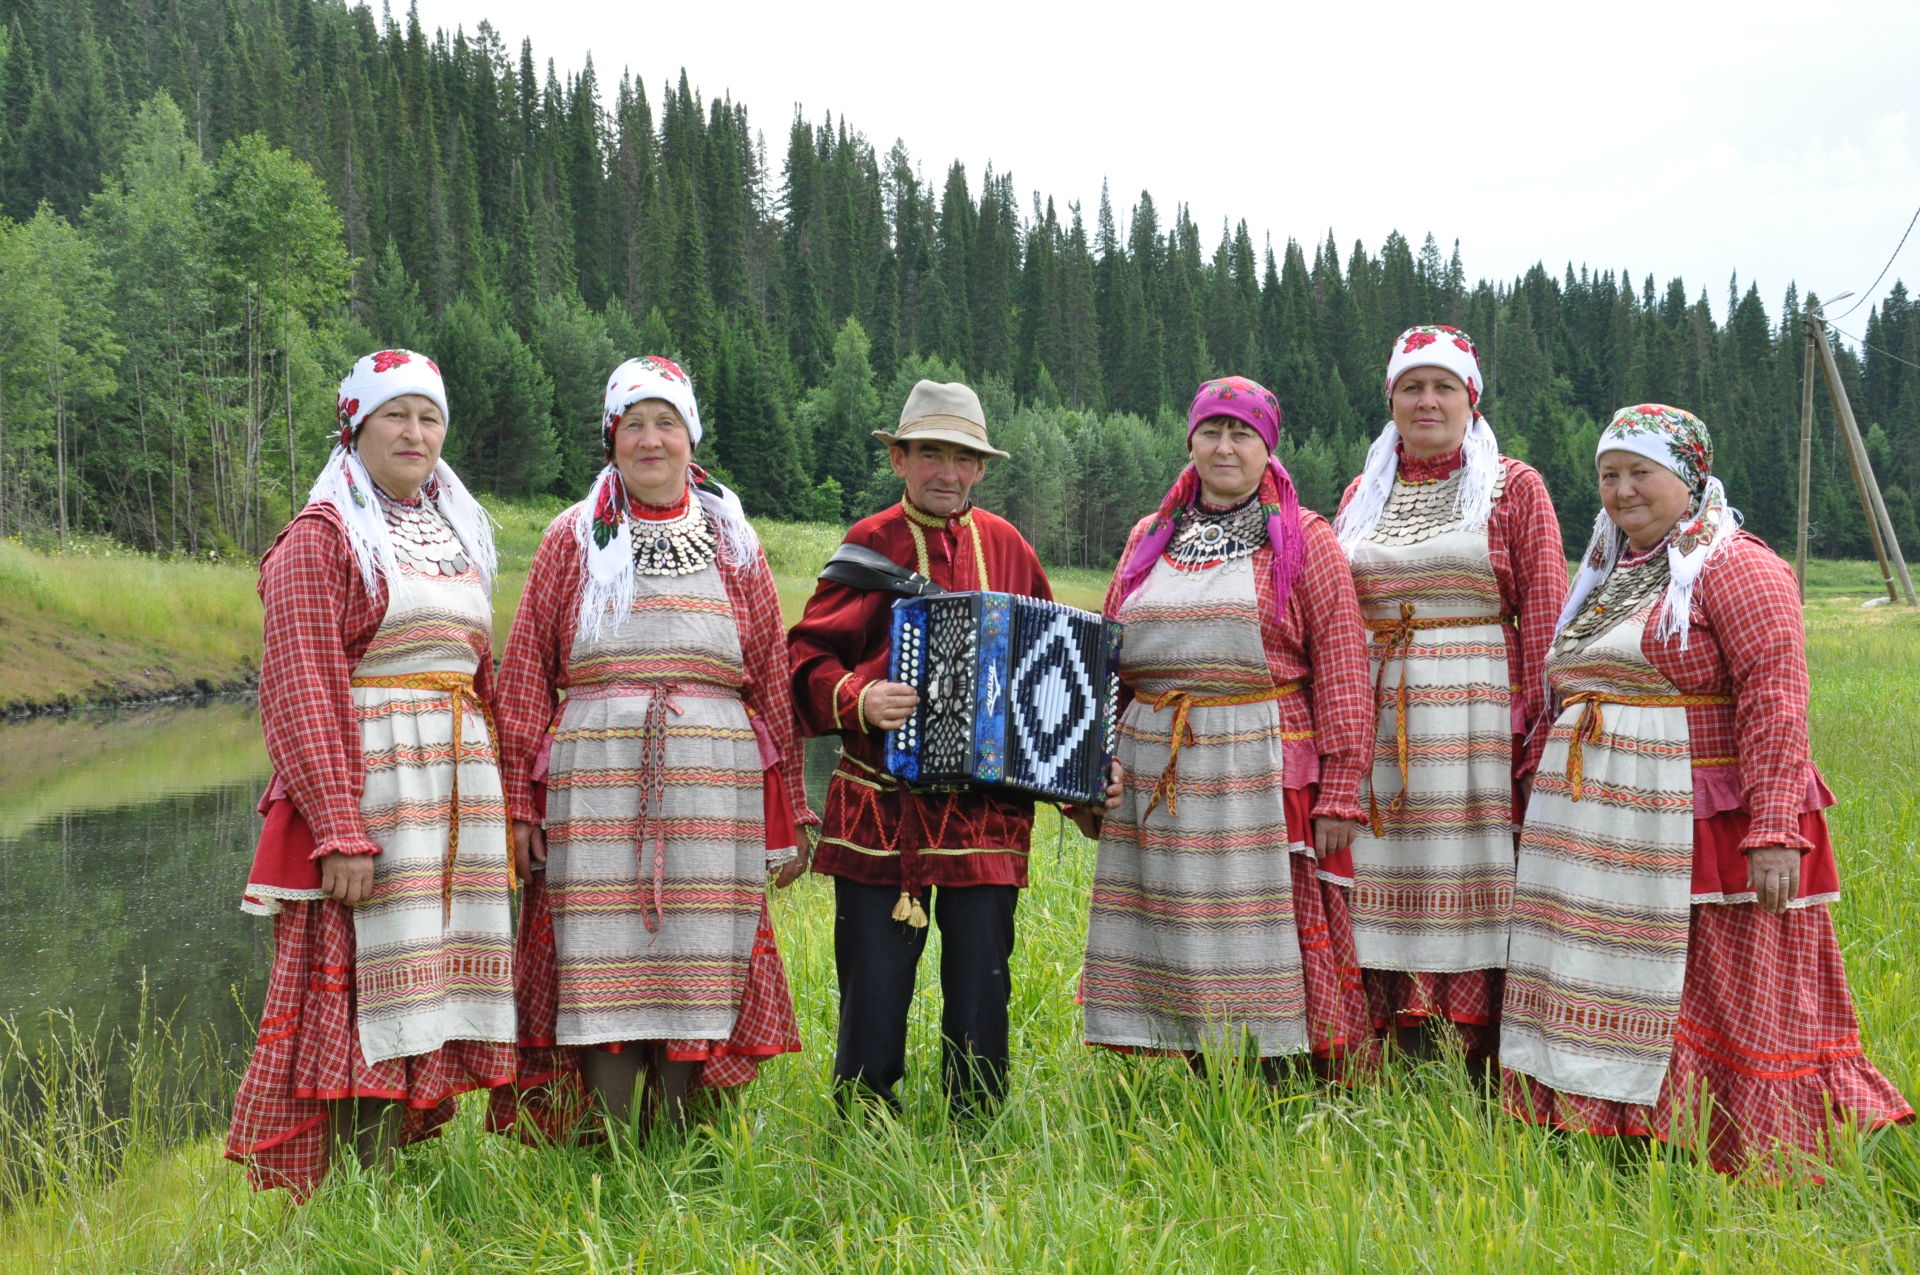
(1397, 637)
(1588, 729)
(1183, 703)
(458, 688)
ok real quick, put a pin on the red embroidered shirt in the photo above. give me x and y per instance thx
(839, 648)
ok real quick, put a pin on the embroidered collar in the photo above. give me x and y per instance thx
(1430, 469)
(647, 512)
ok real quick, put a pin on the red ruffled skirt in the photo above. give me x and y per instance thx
(1767, 1055)
(1338, 1031)
(308, 1056)
(549, 1097)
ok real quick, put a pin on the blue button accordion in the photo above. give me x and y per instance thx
(1013, 691)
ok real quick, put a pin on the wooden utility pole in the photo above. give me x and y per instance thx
(1806, 467)
(1886, 546)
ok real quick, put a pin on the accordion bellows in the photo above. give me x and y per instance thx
(1013, 690)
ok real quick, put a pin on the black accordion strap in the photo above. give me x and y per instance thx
(859, 567)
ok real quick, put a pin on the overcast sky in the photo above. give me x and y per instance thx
(1779, 142)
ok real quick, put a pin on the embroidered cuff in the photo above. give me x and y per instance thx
(846, 701)
(860, 707)
(344, 845)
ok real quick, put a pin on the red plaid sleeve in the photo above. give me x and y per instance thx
(1111, 607)
(533, 667)
(318, 621)
(1325, 611)
(1523, 541)
(1748, 638)
(763, 645)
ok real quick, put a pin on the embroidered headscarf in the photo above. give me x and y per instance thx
(1430, 345)
(606, 532)
(1255, 406)
(1677, 441)
(343, 481)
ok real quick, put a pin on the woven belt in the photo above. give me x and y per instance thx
(1397, 636)
(1590, 726)
(1183, 703)
(458, 688)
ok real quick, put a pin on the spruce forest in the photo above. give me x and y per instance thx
(208, 208)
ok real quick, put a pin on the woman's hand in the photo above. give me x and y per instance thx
(795, 868)
(347, 878)
(1773, 874)
(1331, 836)
(1088, 818)
(529, 847)
(889, 704)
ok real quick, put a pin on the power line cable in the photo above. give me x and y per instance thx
(1883, 269)
(1876, 349)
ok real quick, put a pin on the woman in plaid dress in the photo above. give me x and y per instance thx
(1673, 970)
(384, 857)
(647, 732)
(1219, 924)
(1457, 562)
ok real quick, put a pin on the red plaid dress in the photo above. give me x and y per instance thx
(319, 621)
(1525, 554)
(1767, 1029)
(549, 1097)
(1316, 639)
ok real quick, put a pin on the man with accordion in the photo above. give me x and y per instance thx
(899, 855)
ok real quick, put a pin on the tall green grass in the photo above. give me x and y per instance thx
(205, 611)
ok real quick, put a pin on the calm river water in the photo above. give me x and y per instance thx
(125, 839)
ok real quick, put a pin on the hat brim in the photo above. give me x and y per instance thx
(935, 434)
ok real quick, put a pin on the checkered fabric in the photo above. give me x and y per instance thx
(1319, 641)
(1767, 1052)
(1465, 1005)
(308, 1056)
(1748, 640)
(548, 1100)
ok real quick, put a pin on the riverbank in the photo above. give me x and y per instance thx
(102, 625)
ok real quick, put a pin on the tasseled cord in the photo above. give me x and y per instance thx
(908, 909)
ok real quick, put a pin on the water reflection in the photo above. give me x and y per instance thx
(124, 842)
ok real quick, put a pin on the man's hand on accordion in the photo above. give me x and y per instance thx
(888, 705)
(1087, 818)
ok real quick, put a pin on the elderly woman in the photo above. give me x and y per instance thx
(1675, 868)
(384, 857)
(1456, 558)
(1218, 925)
(644, 704)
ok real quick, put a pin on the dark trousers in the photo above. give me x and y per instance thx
(876, 957)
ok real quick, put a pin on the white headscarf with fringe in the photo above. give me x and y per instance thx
(1677, 441)
(602, 521)
(344, 483)
(1430, 345)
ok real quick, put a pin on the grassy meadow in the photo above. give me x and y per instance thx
(1097, 1164)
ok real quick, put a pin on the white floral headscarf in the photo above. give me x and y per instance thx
(1429, 345)
(605, 526)
(1677, 441)
(344, 483)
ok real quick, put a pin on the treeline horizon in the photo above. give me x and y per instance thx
(208, 208)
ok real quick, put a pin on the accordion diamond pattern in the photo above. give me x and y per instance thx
(1012, 690)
